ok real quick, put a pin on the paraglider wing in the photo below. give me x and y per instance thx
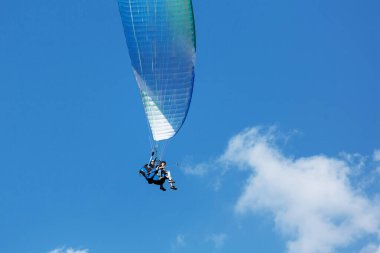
(160, 35)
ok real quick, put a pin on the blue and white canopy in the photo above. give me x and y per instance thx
(160, 35)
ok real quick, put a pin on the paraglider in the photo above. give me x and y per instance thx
(157, 174)
(160, 35)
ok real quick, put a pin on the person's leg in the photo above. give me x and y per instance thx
(171, 181)
(143, 172)
(162, 181)
(159, 182)
(162, 188)
(169, 175)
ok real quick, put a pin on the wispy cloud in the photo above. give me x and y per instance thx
(179, 242)
(376, 159)
(312, 200)
(68, 250)
(197, 170)
(217, 239)
(376, 155)
(205, 168)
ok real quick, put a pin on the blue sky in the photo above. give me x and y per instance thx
(279, 153)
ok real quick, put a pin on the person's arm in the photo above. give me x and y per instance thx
(152, 157)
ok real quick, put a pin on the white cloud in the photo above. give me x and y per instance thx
(312, 200)
(68, 250)
(217, 239)
(371, 248)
